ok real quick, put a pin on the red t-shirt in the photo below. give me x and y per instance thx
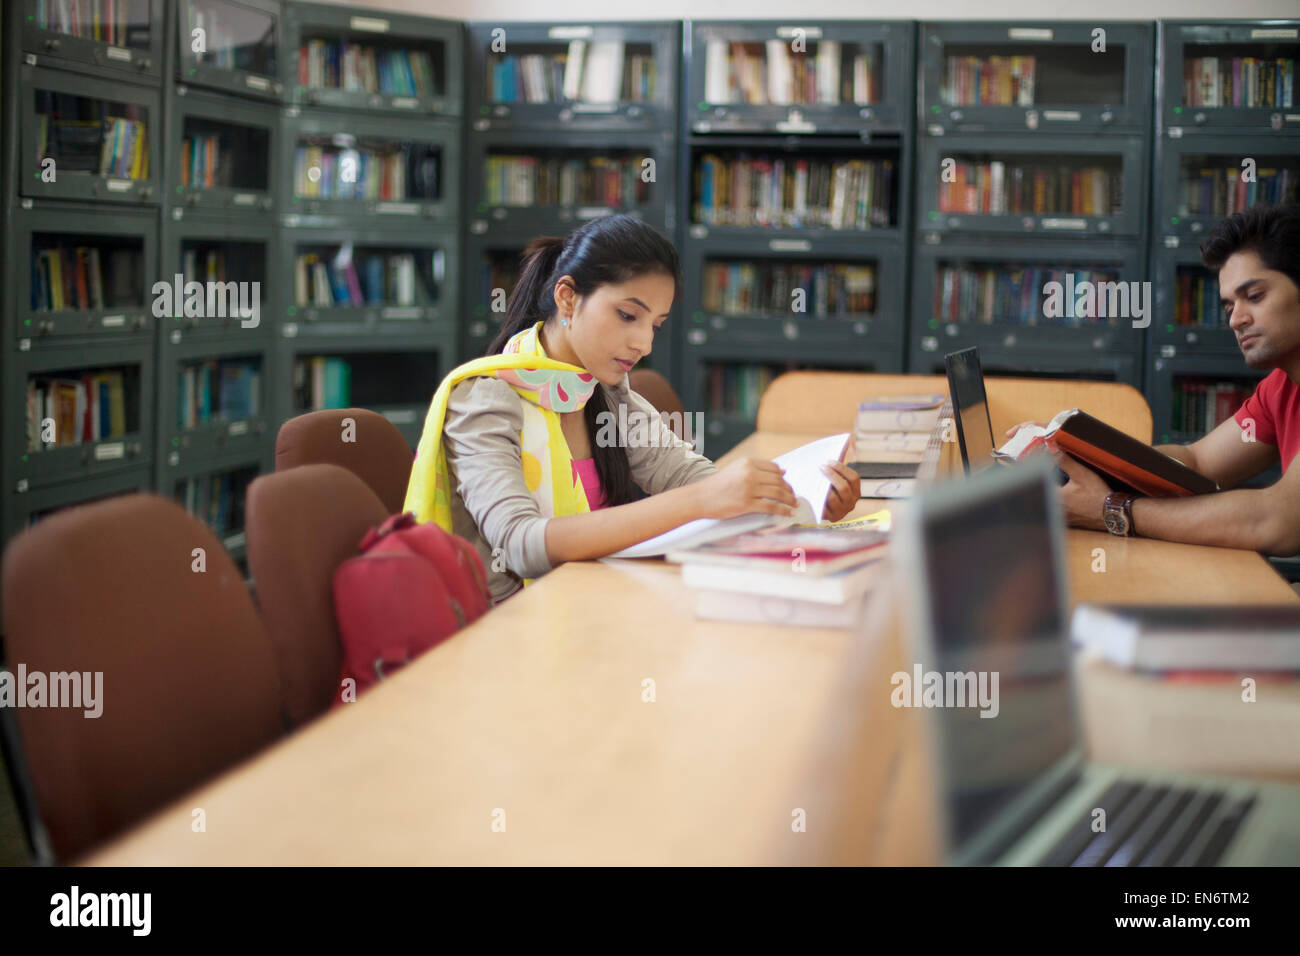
(1275, 408)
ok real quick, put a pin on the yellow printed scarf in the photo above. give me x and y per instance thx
(549, 387)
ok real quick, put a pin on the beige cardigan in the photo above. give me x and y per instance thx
(492, 507)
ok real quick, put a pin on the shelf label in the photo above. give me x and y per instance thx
(119, 185)
(789, 245)
(789, 33)
(398, 208)
(235, 540)
(395, 312)
(590, 212)
(404, 102)
(697, 336)
(373, 24)
(400, 416)
(110, 450)
(929, 343)
(258, 82)
(1029, 33)
(1293, 117)
(699, 232)
(113, 321)
(118, 53)
(1067, 116)
(1171, 242)
(238, 428)
(796, 126)
(478, 227)
(1273, 33)
(570, 33)
(1175, 132)
(594, 107)
(1065, 223)
(290, 329)
(245, 199)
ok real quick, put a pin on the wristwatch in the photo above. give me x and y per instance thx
(1117, 513)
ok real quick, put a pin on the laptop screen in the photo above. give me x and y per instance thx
(998, 625)
(974, 429)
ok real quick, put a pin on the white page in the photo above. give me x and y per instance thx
(803, 474)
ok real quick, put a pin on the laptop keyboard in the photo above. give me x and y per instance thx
(1150, 825)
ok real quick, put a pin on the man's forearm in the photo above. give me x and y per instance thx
(1181, 453)
(1246, 519)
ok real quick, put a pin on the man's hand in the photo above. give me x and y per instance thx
(1083, 495)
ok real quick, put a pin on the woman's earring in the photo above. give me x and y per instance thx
(564, 322)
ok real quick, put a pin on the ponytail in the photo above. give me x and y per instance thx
(610, 249)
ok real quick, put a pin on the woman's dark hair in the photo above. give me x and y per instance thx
(607, 250)
(1271, 232)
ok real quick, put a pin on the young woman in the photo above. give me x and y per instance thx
(516, 455)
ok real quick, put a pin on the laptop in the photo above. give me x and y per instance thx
(971, 410)
(986, 560)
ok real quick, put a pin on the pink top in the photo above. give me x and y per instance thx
(585, 468)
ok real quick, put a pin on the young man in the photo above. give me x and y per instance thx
(1257, 256)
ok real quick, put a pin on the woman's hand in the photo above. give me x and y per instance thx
(846, 490)
(743, 487)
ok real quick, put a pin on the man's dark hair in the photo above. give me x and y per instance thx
(1271, 232)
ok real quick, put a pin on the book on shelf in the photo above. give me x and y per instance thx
(1192, 637)
(1211, 191)
(1000, 188)
(1201, 405)
(803, 473)
(1013, 294)
(107, 21)
(355, 67)
(1241, 81)
(322, 382)
(594, 180)
(989, 81)
(1126, 463)
(736, 389)
(766, 287)
(592, 71)
(399, 279)
(204, 162)
(805, 193)
(228, 389)
(88, 408)
(772, 72)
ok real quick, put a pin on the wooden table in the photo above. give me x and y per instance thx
(597, 721)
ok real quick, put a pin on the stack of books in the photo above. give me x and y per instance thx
(798, 576)
(356, 68)
(992, 81)
(87, 408)
(890, 438)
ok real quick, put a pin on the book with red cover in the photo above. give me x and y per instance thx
(1126, 463)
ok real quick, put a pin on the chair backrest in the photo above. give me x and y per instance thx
(188, 687)
(377, 453)
(301, 525)
(817, 401)
(657, 390)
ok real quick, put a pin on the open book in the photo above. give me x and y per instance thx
(802, 472)
(1126, 463)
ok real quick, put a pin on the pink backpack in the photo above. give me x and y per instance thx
(411, 587)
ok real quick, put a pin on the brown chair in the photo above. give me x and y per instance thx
(814, 402)
(302, 524)
(189, 685)
(379, 456)
(657, 390)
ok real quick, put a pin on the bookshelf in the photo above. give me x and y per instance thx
(795, 206)
(81, 163)
(368, 258)
(221, 152)
(1033, 149)
(230, 46)
(567, 123)
(339, 57)
(1209, 119)
(123, 39)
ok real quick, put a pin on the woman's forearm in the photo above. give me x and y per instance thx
(595, 534)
